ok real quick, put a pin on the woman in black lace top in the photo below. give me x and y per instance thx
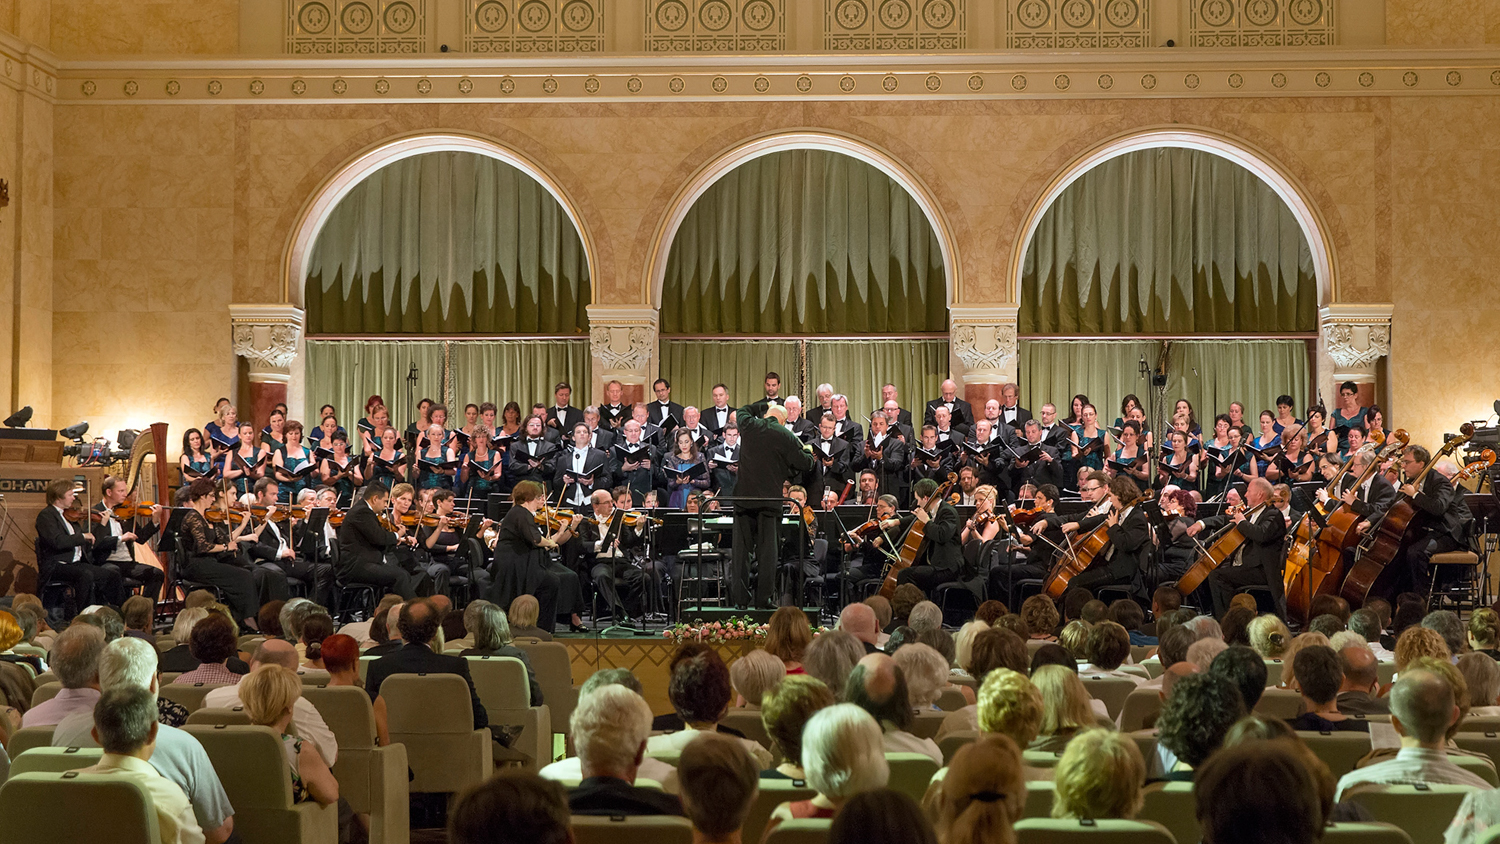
(212, 552)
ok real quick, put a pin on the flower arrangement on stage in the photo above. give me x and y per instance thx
(734, 629)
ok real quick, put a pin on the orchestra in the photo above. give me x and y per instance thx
(1004, 503)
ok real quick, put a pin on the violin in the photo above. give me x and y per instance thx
(77, 514)
(810, 518)
(1025, 518)
(133, 511)
(553, 518)
(636, 519)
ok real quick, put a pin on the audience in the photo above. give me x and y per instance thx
(341, 660)
(1203, 652)
(1445, 623)
(213, 642)
(700, 694)
(306, 719)
(1269, 636)
(883, 615)
(1075, 638)
(418, 623)
(1482, 675)
(1484, 632)
(843, 755)
(787, 638)
(75, 661)
(1289, 659)
(1100, 775)
(1244, 668)
(881, 816)
(270, 694)
(752, 675)
(784, 712)
(610, 726)
(831, 656)
(1366, 623)
(511, 808)
(125, 728)
(1041, 617)
(858, 620)
(1010, 705)
(523, 614)
(1319, 677)
(1415, 642)
(719, 782)
(1194, 718)
(571, 768)
(878, 686)
(1327, 624)
(992, 649)
(389, 627)
(903, 600)
(1422, 710)
(492, 637)
(1108, 649)
(926, 616)
(138, 612)
(982, 795)
(316, 627)
(1357, 693)
(1258, 792)
(1066, 707)
(926, 674)
(1236, 625)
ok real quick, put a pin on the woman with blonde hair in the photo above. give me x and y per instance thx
(1075, 638)
(269, 693)
(926, 674)
(787, 638)
(523, 615)
(754, 674)
(1010, 705)
(1416, 642)
(1483, 676)
(1065, 708)
(1099, 776)
(1484, 632)
(983, 794)
(1270, 637)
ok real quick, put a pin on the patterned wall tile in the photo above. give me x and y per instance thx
(534, 26)
(717, 26)
(356, 26)
(1262, 23)
(1077, 24)
(895, 24)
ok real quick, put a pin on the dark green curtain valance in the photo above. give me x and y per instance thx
(448, 243)
(804, 242)
(1169, 241)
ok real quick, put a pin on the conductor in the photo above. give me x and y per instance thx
(769, 456)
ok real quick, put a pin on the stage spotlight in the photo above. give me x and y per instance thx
(74, 432)
(19, 418)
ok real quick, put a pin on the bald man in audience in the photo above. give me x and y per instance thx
(1422, 710)
(1357, 694)
(858, 620)
(75, 661)
(878, 686)
(419, 625)
(306, 720)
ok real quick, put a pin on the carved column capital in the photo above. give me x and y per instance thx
(622, 341)
(985, 341)
(1355, 338)
(269, 338)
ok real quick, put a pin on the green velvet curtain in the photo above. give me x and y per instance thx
(447, 243)
(344, 373)
(859, 368)
(695, 366)
(521, 370)
(1208, 373)
(1168, 241)
(804, 242)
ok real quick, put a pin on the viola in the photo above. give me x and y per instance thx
(1025, 518)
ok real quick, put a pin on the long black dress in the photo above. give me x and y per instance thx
(522, 567)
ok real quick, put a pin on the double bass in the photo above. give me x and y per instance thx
(1315, 560)
(912, 542)
(1371, 573)
(1080, 555)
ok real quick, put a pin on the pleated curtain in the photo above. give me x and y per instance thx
(523, 370)
(1168, 241)
(804, 242)
(346, 373)
(859, 368)
(694, 366)
(447, 243)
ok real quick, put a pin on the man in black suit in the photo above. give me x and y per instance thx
(600, 437)
(664, 409)
(940, 557)
(1046, 468)
(717, 417)
(614, 411)
(900, 429)
(772, 389)
(114, 545)
(637, 464)
(606, 544)
(1129, 534)
(1054, 433)
(561, 417)
(532, 455)
(610, 727)
(581, 469)
(831, 464)
(363, 544)
(801, 427)
(419, 623)
(1368, 500)
(844, 427)
(692, 422)
(278, 559)
(1259, 561)
(885, 455)
(61, 546)
(823, 404)
(937, 465)
(724, 460)
(1442, 519)
(962, 414)
(1011, 411)
(889, 397)
(770, 456)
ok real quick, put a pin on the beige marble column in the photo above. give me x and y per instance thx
(984, 345)
(1352, 338)
(269, 338)
(622, 344)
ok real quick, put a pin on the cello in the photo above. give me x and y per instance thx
(1214, 554)
(1370, 572)
(1079, 556)
(1315, 561)
(911, 543)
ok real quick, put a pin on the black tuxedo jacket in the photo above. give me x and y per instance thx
(656, 412)
(265, 548)
(1022, 417)
(603, 438)
(940, 539)
(1263, 533)
(710, 419)
(903, 416)
(362, 539)
(564, 419)
(613, 416)
(829, 471)
(105, 544)
(53, 542)
(723, 480)
(546, 454)
(1442, 507)
(1372, 503)
(413, 658)
(610, 796)
(595, 462)
(849, 431)
(639, 480)
(1130, 544)
(963, 414)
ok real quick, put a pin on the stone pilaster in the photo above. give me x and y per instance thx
(1352, 338)
(983, 341)
(623, 346)
(269, 338)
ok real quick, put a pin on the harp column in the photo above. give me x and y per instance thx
(269, 338)
(984, 341)
(1354, 338)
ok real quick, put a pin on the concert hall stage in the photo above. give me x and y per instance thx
(647, 657)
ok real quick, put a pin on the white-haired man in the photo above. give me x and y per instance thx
(610, 727)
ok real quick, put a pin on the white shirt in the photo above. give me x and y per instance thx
(281, 545)
(571, 770)
(306, 720)
(722, 417)
(68, 526)
(1412, 765)
(175, 821)
(121, 554)
(680, 739)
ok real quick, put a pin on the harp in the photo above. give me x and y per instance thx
(152, 443)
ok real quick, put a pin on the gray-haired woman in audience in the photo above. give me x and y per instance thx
(831, 657)
(843, 754)
(491, 632)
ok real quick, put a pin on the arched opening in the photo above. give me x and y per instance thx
(447, 256)
(1177, 250)
(813, 255)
